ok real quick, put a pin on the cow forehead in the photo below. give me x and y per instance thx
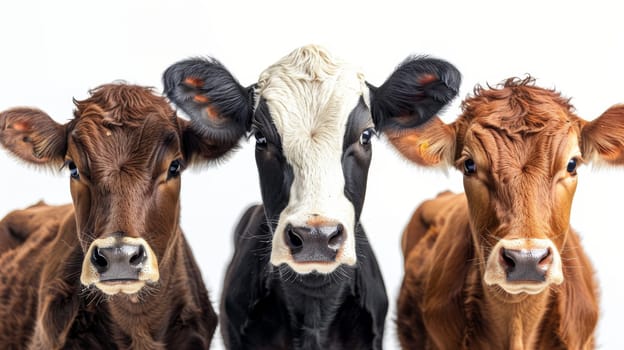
(519, 118)
(548, 142)
(122, 127)
(310, 93)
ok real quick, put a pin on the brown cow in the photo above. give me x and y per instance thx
(113, 270)
(499, 267)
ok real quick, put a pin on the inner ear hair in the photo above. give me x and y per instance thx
(31, 135)
(602, 139)
(432, 144)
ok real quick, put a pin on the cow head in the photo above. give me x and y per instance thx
(519, 147)
(124, 152)
(313, 118)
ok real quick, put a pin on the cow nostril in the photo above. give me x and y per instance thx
(545, 259)
(507, 258)
(139, 257)
(294, 240)
(336, 238)
(99, 260)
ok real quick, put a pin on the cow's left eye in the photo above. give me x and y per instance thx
(365, 137)
(174, 169)
(261, 140)
(572, 165)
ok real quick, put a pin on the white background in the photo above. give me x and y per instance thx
(51, 51)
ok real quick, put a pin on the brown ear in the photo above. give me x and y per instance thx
(33, 136)
(603, 138)
(431, 144)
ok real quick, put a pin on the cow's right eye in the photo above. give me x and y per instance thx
(469, 167)
(73, 170)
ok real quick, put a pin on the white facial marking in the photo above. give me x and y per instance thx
(310, 96)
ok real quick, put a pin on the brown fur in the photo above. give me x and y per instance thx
(14, 230)
(122, 140)
(520, 137)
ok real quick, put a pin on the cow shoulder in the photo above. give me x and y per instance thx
(423, 220)
(250, 308)
(370, 288)
(195, 325)
(437, 276)
(59, 298)
(576, 324)
(20, 267)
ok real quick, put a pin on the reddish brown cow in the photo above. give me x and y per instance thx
(499, 267)
(113, 270)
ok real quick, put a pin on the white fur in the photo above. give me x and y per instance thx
(310, 96)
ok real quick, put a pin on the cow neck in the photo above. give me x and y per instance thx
(512, 320)
(312, 315)
(143, 320)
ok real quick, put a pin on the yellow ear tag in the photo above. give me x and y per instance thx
(424, 146)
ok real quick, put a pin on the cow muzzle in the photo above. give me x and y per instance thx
(119, 264)
(524, 265)
(314, 244)
(317, 246)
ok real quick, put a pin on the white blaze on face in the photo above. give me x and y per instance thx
(310, 96)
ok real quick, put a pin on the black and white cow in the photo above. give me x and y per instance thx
(303, 275)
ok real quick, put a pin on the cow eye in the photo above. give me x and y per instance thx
(73, 170)
(174, 169)
(572, 165)
(365, 137)
(261, 140)
(469, 167)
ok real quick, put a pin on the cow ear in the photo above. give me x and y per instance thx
(205, 90)
(33, 136)
(418, 89)
(432, 144)
(602, 140)
(199, 147)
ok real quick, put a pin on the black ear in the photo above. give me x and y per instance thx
(218, 105)
(418, 89)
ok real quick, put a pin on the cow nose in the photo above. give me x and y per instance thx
(526, 264)
(315, 244)
(123, 262)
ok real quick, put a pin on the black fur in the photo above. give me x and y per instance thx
(265, 307)
(403, 94)
(225, 94)
(269, 307)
